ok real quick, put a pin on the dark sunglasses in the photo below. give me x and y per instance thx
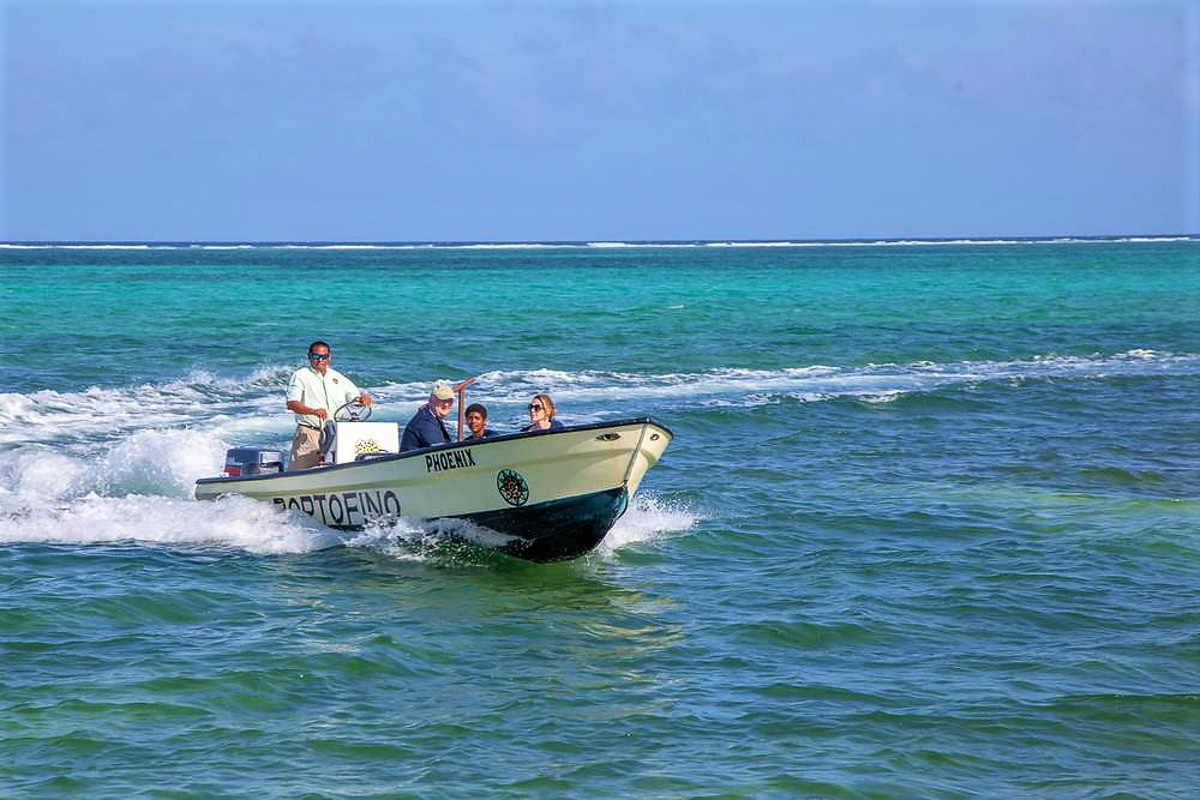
(318, 356)
(535, 407)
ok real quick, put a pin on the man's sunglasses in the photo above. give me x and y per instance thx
(318, 356)
(534, 407)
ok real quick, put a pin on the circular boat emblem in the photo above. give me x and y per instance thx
(512, 486)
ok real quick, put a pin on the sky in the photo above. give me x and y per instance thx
(588, 121)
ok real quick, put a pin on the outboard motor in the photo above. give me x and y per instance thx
(252, 461)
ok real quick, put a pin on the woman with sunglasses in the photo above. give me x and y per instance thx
(541, 414)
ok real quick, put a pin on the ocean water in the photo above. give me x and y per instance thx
(929, 528)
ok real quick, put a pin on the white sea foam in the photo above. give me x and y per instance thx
(586, 394)
(163, 463)
(507, 246)
(648, 518)
(134, 487)
(637, 245)
(760, 244)
(596, 244)
(23, 246)
(239, 404)
(882, 398)
(246, 410)
(32, 478)
(401, 539)
(232, 521)
(423, 540)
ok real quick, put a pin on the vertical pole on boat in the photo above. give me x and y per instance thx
(460, 389)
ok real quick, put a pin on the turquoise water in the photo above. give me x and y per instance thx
(929, 526)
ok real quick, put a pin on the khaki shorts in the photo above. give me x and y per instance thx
(306, 448)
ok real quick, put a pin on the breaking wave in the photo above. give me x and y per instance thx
(640, 244)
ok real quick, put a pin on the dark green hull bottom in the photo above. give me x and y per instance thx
(557, 530)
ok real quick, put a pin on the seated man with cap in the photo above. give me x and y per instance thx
(428, 426)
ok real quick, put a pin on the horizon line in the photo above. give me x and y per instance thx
(600, 242)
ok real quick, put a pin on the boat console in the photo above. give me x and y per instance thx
(343, 442)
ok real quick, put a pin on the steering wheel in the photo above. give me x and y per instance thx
(355, 412)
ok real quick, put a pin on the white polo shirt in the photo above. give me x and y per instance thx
(330, 392)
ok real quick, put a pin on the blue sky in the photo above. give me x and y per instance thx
(598, 121)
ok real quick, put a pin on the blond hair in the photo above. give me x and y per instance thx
(547, 404)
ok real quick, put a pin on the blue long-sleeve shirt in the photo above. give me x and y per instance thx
(423, 430)
(554, 425)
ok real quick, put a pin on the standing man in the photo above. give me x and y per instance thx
(428, 425)
(314, 393)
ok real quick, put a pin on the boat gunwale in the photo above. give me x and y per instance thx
(505, 437)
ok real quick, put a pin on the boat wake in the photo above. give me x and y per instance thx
(217, 410)
(231, 522)
(139, 491)
(152, 462)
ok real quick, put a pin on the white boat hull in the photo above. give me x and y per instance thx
(554, 495)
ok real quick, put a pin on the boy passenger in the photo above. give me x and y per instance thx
(477, 422)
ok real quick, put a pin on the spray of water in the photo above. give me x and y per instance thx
(647, 519)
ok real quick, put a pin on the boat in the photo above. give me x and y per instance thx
(550, 495)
